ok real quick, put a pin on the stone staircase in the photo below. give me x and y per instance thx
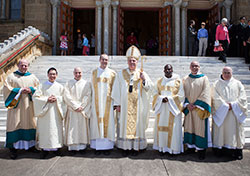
(153, 66)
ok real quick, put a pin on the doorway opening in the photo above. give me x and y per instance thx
(84, 23)
(144, 24)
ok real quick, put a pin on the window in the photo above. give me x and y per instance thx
(15, 9)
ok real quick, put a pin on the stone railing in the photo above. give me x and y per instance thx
(29, 43)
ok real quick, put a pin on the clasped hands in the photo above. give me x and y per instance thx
(26, 90)
(52, 99)
(191, 107)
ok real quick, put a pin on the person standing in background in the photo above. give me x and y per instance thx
(85, 45)
(191, 38)
(64, 43)
(202, 37)
(92, 44)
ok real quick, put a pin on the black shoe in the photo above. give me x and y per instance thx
(82, 152)
(72, 152)
(43, 154)
(135, 153)
(218, 152)
(125, 153)
(190, 151)
(225, 61)
(13, 153)
(106, 152)
(98, 152)
(219, 58)
(202, 154)
(58, 153)
(237, 154)
(161, 153)
(33, 150)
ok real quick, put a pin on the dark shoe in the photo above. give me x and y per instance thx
(135, 153)
(237, 154)
(190, 151)
(106, 152)
(125, 153)
(58, 153)
(82, 152)
(33, 150)
(98, 152)
(225, 61)
(72, 152)
(219, 58)
(202, 154)
(43, 154)
(161, 153)
(218, 152)
(13, 153)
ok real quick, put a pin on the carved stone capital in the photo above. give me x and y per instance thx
(55, 3)
(177, 3)
(98, 3)
(227, 4)
(106, 3)
(184, 5)
(115, 4)
(166, 3)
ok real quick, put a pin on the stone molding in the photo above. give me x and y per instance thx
(227, 4)
(166, 3)
(99, 4)
(177, 3)
(16, 38)
(115, 4)
(106, 3)
(184, 5)
(55, 3)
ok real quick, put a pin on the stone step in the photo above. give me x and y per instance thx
(2, 131)
(3, 120)
(3, 112)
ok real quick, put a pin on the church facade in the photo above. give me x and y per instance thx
(112, 21)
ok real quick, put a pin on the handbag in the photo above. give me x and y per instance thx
(218, 48)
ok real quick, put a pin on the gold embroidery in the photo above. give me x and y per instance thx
(168, 128)
(132, 105)
(109, 81)
(154, 100)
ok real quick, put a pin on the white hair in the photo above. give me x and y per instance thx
(224, 20)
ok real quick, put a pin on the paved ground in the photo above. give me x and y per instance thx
(147, 163)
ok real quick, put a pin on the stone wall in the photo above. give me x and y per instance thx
(38, 13)
(9, 28)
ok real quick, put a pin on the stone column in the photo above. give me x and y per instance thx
(227, 4)
(177, 4)
(106, 4)
(184, 27)
(99, 27)
(55, 5)
(3, 6)
(114, 45)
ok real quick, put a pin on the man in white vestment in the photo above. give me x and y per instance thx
(21, 124)
(102, 122)
(49, 109)
(77, 96)
(197, 109)
(131, 94)
(229, 107)
(167, 103)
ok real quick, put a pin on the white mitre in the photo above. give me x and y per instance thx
(134, 52)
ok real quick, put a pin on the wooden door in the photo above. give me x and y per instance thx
(120, 48)
(213, 16)
(66, 24)
(165, 31)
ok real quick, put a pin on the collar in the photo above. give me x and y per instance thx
(22, 74)
(49, 83)
(196, 76)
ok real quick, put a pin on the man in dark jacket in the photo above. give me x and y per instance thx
(191, 39)
(246, 42)
(240, 36)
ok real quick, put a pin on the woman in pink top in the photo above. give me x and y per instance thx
(222, 36)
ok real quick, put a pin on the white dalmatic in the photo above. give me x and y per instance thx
(102, 122)
(50, 115)
(168, 121)
(77, 94)
(228, 125)
(134, 101)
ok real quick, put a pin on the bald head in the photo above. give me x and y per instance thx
(168, 70)
(77, 73)
(194, 67)
(104, 58)
(23, 65)
(227, 73)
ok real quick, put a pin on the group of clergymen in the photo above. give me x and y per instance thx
(114, 108)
